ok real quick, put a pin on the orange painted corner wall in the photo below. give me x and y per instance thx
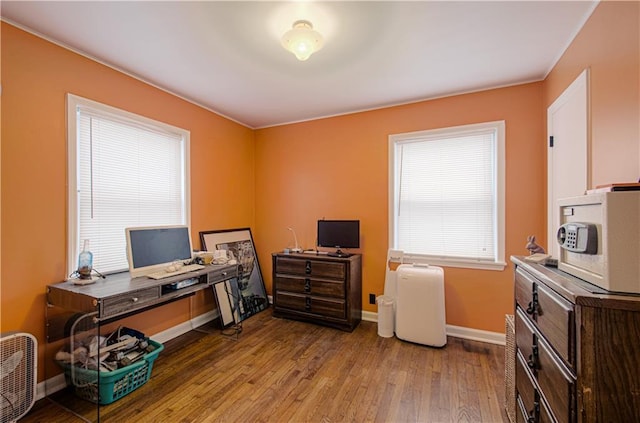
(337, 168)
(608, 46)
(36, 76)
(293, 175)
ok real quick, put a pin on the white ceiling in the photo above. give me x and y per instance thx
(226, 56)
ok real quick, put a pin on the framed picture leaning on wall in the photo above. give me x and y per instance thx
(251, 295)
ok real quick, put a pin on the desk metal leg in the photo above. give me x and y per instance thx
(64, 330)
(227, 297)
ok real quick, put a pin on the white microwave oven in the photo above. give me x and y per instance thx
(599, 237)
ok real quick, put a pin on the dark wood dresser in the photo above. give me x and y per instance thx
(318, 288)
(577, 349)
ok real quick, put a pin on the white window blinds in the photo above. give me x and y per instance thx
(446, 194)
(129, 172)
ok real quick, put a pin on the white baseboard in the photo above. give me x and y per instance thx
(476, 335)
(369, 316)
(182, 328)
(456, 331)
(49, 386)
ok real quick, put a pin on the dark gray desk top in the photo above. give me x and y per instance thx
(122, 283)
(120, 295)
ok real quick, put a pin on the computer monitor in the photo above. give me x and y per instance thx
(339, 234)
(153, 248)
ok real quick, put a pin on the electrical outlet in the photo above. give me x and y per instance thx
(372, 298)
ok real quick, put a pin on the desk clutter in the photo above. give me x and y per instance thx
(104, 369)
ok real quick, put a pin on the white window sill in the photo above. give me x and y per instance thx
(465, 264)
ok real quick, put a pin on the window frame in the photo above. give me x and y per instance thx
(74, 243)
(395, 140)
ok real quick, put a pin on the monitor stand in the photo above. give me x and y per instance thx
(339, 253)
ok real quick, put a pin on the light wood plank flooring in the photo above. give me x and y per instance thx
(287, 371)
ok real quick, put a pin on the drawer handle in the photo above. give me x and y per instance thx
(532, 307)
(307, 285)
(532, 362)
(307, 303)
(534, 415)
(134, 299)
(307, 267)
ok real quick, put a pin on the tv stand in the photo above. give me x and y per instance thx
(339, 253)
(318, 289)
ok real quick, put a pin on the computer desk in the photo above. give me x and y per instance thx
(76, 310)
(118, 296)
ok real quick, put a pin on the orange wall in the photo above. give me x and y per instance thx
(36, 75)
(609, 46)
(294, 174)
(338, 168)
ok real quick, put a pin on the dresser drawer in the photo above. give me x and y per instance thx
(309, 304)
(315, 268)
(131, 301)
(527, 393)
(530, 402)
(310, 286)
(556, 383)
(221, 274)
(526, 338)
(544, 416)
(525, 286)
(552, 314)
(555, 317)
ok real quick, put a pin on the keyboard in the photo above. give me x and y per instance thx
(184, 269)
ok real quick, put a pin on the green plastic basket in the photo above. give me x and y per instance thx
(114, 384)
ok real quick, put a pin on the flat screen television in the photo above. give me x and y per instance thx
(153, 248)
(339, 234)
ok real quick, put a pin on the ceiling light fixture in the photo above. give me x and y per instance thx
(302, 40)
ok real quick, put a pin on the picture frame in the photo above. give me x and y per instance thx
(226, 293)
(246, 295)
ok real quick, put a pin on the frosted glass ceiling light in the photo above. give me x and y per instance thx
(302, 40)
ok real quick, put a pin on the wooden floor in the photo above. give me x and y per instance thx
(286, 371)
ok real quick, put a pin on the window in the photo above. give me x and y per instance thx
(124, 170)
(446, 200)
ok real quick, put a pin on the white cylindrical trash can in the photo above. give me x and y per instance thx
(386, 322)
